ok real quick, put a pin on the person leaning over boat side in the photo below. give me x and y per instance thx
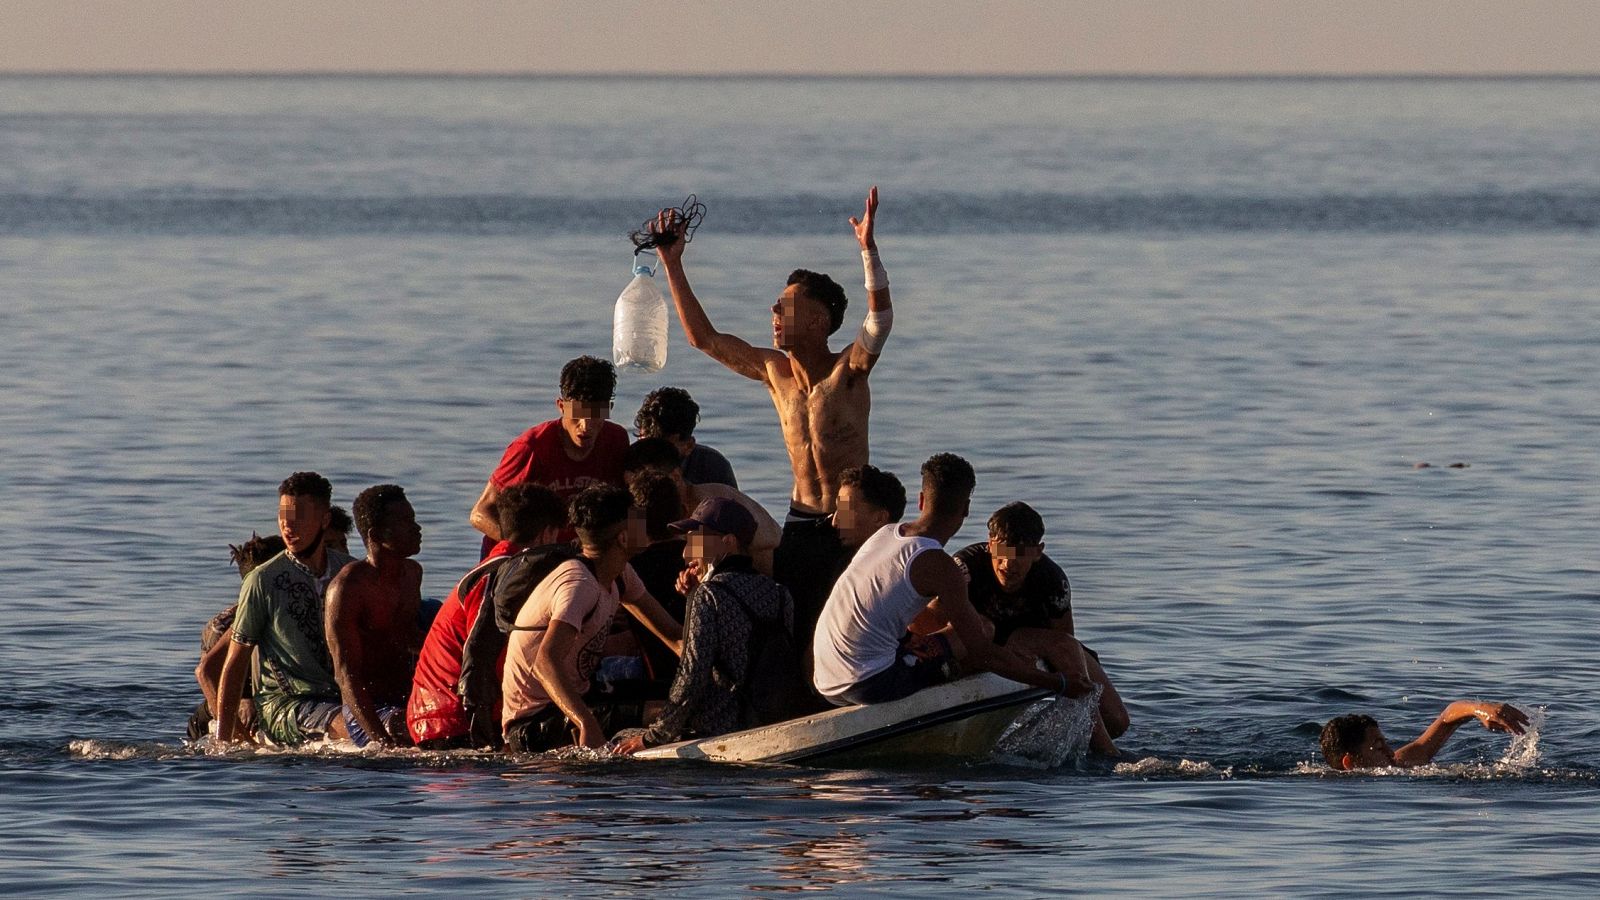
(822, 397)
(729, 608)
(659, 455)
(669, 412)
(899, 620)
(437, 716)
(565, 454)
(1028, 600)
(1356, 742)
(562, 626)
(280, 614)
(371, 618)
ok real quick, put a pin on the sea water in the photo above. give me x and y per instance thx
(1211, 329)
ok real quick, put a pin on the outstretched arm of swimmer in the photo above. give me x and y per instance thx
(880, 313)
(734, 352)
(551, 666)
(1494, 716)
(341, 621)
(229, 686)
(652, 615)
(937, 575)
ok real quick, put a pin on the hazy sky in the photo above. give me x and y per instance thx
(803, 36)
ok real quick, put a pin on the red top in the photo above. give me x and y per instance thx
(435, 709)
(539, 455)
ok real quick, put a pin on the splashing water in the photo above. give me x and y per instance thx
(1152, 767)
(1523, 754)
(1050, 733)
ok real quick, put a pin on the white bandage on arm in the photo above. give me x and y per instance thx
(877, 278)
(875, 331)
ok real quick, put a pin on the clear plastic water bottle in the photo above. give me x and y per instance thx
(639, 328)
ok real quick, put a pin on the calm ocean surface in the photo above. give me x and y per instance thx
(1209, 328)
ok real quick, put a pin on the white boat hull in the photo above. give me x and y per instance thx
(960, 720)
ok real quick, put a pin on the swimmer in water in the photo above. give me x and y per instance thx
(1355, 741)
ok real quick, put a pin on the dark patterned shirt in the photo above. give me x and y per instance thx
(1046, 594)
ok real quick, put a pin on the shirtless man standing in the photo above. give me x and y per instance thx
(821, 396)
(372, 618)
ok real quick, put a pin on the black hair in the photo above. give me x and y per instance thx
(657, 495)
(339, 520)
(650, 453)
(824, 290)
(307, 484)
(523, 510)
(667, 411)
(1016, 524)
(1345, 734)
(372, 508)
(252, 553)
(947, 483)
(598, 511)
(589, 379)
(877, 487)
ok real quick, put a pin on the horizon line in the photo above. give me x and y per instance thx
(816, 76)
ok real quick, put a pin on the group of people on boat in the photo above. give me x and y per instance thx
(732, 620)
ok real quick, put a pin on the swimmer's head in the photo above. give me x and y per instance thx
(1016, 542)
(810, 308)
(303, 502)
(588, 385)
(868, 499)
(1355, 742)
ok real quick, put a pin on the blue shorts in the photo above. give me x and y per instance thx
(386, 717)
(922, 661)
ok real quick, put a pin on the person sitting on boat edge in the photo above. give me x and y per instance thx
(1355, 741)
(740, 665)
(1014, 584)
(654, 454)
(562, 626)
(898, 620)
(565, 454)
(669, 412)
(281, 615)
(822, 396)
(437, 716)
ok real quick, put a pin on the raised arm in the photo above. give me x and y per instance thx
(734, 352)
(1494, 716)
(937, 575)
(880, 313)
(342, 621)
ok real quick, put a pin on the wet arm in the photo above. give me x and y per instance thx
(552, 665)
(484, 516)
(936, 574)
(344, 643)
(229, 686)
(1495, 717)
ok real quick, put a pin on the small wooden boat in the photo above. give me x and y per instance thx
(961, 720)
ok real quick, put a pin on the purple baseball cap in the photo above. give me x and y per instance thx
(723, 516)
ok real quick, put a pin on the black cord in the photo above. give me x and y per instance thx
(690, 214)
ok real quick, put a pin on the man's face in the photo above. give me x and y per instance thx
(855, 518)
(1375, 752)
(1012, 562)
(400, 532)
(706, 547)
(301, 520)
(797, 318)
(638, 535)
(581, 421)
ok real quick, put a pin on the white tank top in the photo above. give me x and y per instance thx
(868, 611)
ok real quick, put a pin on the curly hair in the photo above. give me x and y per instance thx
(524, 510)
(589, 379)
(947, 483)
(339, 520)
(372, 508)
(654, 453)
(667, 412)
(1345, 734)
(1016, 524)
(824, 290)
(307, 484)
(252, 553)
(657, 495)
(598, 512)
(877, 487)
